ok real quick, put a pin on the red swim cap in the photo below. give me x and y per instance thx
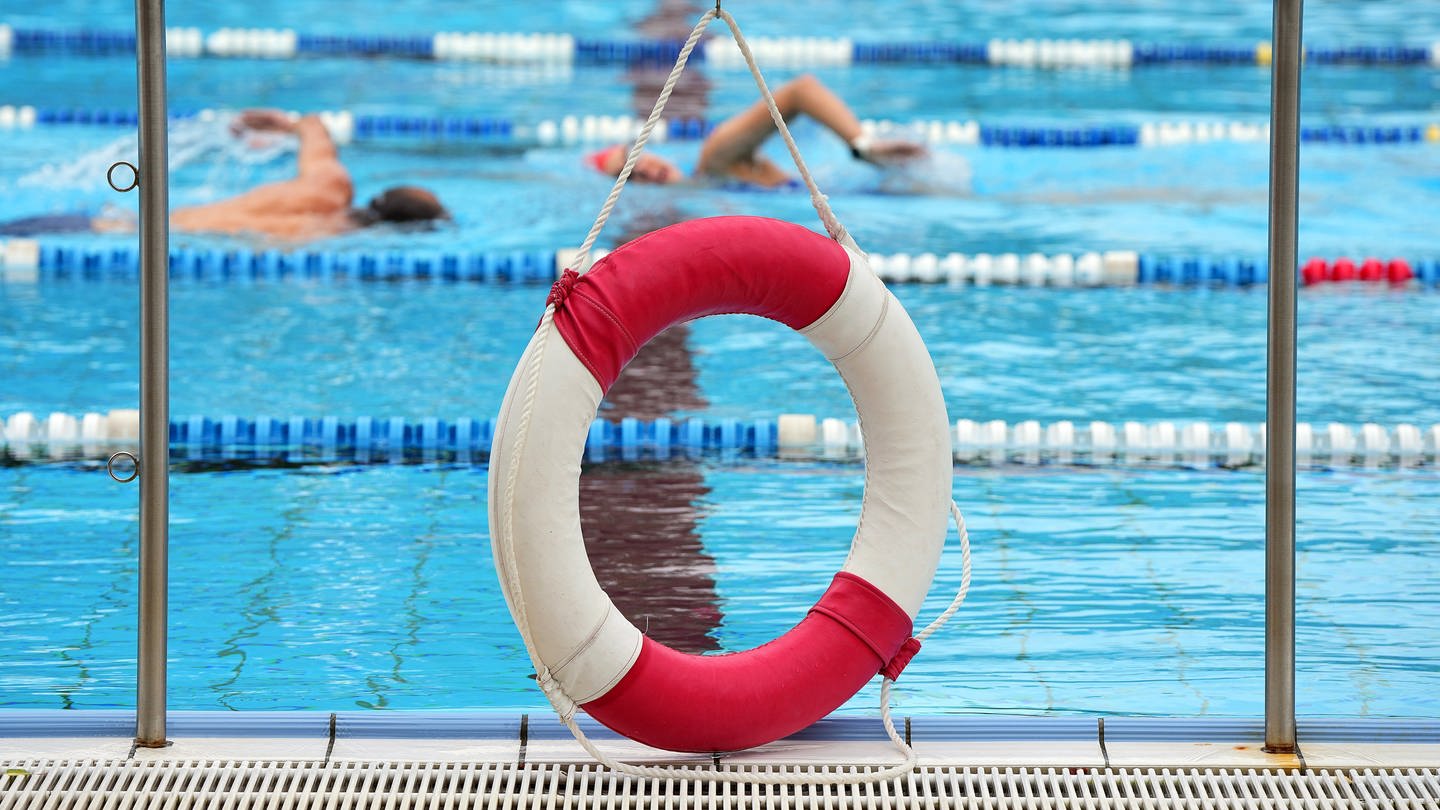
(597, 160)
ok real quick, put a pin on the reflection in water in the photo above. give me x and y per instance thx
(672, 21)
(640, 521)
(640, 531)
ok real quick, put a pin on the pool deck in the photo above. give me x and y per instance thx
(521, 739)
(463, 760)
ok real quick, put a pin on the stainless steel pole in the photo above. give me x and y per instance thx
(154, 374)
(1280, 381)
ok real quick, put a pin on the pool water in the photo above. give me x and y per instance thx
(1116, 591)
(418, 350)
(333, 588)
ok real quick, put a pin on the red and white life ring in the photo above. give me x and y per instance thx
(861, 625)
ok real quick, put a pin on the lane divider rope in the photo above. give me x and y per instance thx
(31, 260)
(62, 436)
(524, 48)
(572, 130)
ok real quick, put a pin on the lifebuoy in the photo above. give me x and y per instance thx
(861, 625)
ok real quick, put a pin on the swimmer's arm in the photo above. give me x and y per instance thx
(318, 154)
(320, 169)
(738, 137)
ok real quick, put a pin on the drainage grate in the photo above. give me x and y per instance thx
(456, 786)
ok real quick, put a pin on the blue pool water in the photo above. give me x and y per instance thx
(1134, 591)
(336, 588)
(421, 350)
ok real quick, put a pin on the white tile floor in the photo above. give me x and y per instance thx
(428, 750)
(1370, 755)
(818, 753)
(20, 748)
(1074, 754)
(196, 748)
(569, 751)
(1197, 755)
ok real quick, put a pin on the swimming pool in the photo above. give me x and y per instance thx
(334, 586)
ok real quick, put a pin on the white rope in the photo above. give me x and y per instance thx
(818, 200)
(964, 576)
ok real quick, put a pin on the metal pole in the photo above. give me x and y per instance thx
(154, 374)
(1280, 381)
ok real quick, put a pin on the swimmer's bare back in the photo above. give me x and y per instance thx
(314, 204)
(222, 218)
(288, 219)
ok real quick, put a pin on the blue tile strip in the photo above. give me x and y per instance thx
(848, 729)
(1389, 730)
(1183, 729)
(22, 723)
(548, 727)
(248, 724)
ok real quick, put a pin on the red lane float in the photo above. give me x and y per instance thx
(860, 626)
(1318, 271)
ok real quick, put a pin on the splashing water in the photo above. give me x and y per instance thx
(226, 162)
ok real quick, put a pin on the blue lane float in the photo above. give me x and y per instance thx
(801, 52)
(58, 261)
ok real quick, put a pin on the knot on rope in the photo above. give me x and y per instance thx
(564, 705)
(560, 290)
(897, 664)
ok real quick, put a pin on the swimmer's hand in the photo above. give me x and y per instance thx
(887, 153)
(262, 121)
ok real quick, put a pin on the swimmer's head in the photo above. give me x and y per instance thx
(648, 168)
(401, 204)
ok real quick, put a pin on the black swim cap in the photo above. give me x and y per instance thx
(402, 204)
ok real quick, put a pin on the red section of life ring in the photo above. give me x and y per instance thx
(750, 265)
(709, 703)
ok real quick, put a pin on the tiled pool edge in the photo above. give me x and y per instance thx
(520, 738)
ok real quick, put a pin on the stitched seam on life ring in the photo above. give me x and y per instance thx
(589, 639)
(874, 330)
(619, 676)
(603, 310)
(850, 626)
(579, 354)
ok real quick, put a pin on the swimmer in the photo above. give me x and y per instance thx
(731, 151)
(314, 204)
